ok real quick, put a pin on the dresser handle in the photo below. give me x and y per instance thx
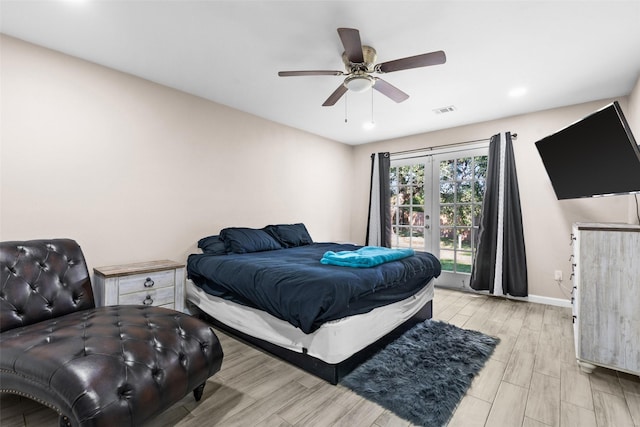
(148, 300)
(148, 283)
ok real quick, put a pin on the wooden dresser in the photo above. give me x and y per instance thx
(158, 283)
(606, 296)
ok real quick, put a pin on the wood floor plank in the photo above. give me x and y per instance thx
(607, 381)
(519, 368)
(485, 385)
(611, 410)
(534, 316)
(263, 408)
(509, 411)
(576, 416)
(547, 365)
(530, 422)
(527, 341)
(543, 403)
(363, 413)
(389, 419)
(633, 403)
(629, 382)
(471, 412)
(575, 386)
(459, 320)
(272, 421)
(307, 401)
(223, 404)
(504, 348)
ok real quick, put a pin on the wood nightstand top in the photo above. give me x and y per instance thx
(137, 268)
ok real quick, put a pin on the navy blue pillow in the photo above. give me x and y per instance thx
(290, 235)
(212, 245)
(242, 240)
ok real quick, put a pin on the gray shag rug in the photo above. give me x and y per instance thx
(422, 375)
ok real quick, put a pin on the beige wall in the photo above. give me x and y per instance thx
(633, 117)
(547, 221)
(136, 171)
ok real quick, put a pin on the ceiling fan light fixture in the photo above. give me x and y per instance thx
(359, 83)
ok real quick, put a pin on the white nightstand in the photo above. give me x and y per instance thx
(158, 283)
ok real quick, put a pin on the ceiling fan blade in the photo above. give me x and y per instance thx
(424, 60)
(390, 90)
(310, 73)
(350, 38)
(335, 96)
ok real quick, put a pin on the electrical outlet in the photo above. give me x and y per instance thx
(557, 275)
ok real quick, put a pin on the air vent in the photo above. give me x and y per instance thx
(443, 110)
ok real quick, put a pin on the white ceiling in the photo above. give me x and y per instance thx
(562, 52)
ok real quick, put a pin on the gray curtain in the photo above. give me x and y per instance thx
(379, 220)
(500, 265)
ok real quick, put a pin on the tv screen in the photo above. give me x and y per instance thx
(595, 156)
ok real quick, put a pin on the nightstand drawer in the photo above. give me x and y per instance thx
(149, 297)
(147, 281)
(157, 283)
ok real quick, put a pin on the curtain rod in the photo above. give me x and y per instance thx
(416, 150)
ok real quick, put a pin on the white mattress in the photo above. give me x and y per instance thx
(333, 342)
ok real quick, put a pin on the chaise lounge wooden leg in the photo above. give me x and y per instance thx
(197, 393)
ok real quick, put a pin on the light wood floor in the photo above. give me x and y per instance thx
(531, 380)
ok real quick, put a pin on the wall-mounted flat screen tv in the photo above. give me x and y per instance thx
(596, 156)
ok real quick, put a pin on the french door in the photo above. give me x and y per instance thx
(436, 203)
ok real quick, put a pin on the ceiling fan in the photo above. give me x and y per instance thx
(359, 62)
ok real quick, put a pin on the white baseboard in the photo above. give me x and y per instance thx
(531, 298)
(549, 301)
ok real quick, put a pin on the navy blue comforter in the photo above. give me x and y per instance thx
(293, 285)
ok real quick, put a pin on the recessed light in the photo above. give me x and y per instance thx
(518, 91)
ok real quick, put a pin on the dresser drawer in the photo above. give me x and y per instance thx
(146, 281)
(158, 296)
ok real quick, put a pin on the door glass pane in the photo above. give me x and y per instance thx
(463, 216)
(463, 262)
(446, 215)
(447, 191)
(464, 170)
(404, 215)
(446, 237)
(446, 170)
(407, 202)
(464, 194)
(480, 167)
(477, 213)
(460, 198)
(447, 259)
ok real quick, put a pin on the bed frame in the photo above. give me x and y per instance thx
(329, 372)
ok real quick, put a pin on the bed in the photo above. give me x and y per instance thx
(269, 287)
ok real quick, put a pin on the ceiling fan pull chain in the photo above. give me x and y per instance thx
(345, 107)
(372, 108)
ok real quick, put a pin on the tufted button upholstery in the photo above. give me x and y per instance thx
(40, 280)
(106, 366)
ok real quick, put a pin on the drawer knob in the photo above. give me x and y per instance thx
(148, 283)
(148, 300)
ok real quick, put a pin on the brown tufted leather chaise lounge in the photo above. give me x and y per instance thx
(106, 366)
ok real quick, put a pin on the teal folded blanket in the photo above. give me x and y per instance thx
(367, 256)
